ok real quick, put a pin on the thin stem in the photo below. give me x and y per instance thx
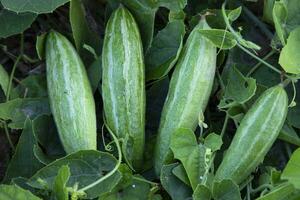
(253, 69)
(294, 95)
(261, 187)
(8, 137)
(14, 67)
(144, 180)
(224, 125)
(113, 170)
(220, 80)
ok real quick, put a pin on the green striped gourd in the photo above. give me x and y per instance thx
(70, 95)
(123, 84)
(255, 135)
(189, 91)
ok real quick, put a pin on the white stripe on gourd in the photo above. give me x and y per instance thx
(70, 95)
(189, 91)
(123, 85)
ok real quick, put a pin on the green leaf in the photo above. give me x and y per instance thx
(32, 86)
(134, 190)
(213, 142)
(33, 6)
(13, 192)
(165, 50)
(220, 38)
(12, 23)
(290, 56)
(82, 33)
(47, 136)
(293, 18)
(40, 45)
(291, 171)
(202, 192)
(4, 79)
(95, 73)
(280, 192)
(175, 188)
(226, 190)
(234, 14)
(173, 5)
(288, 134)
(86, 167)
(186, 149)
(280, 18)
(268, 11)
(23, 163)
(180, 173)
(59, 189)
(239, 89)
(18, 110)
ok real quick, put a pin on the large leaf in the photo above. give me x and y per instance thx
(18, 110)
(202, 192)
(293, 18)
(86, 167)
(135, 190)
(175, 188)
(165, 50)
(226, 190)
(12, 23)
(290, 55)
(13, 192)
(34, 6)
(4, 79)
(280, 192)
(23, 162)
(33, 86)
(186, 149)
(292, 170)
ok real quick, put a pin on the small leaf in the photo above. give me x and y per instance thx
(268, 11)
(33, 6)
(40, 45)
(173, 5)
(12, 23)
(175, 188)
(220, 38)
(4, 79)
(290, 56)
(32, 86)
(213, 142)
(280, 18)
(288, 134)
(23, 163)
(165, 50)
(59, 189)
(202, 192)
(292, 170)
(95, 73)
(86, 167)
(238, 90)
(226, 190)
(235, 14)
(13, 192)
(186, 149)
(180, 173)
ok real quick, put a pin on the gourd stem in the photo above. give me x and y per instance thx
(114, 169)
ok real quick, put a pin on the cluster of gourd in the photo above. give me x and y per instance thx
(123, 93)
